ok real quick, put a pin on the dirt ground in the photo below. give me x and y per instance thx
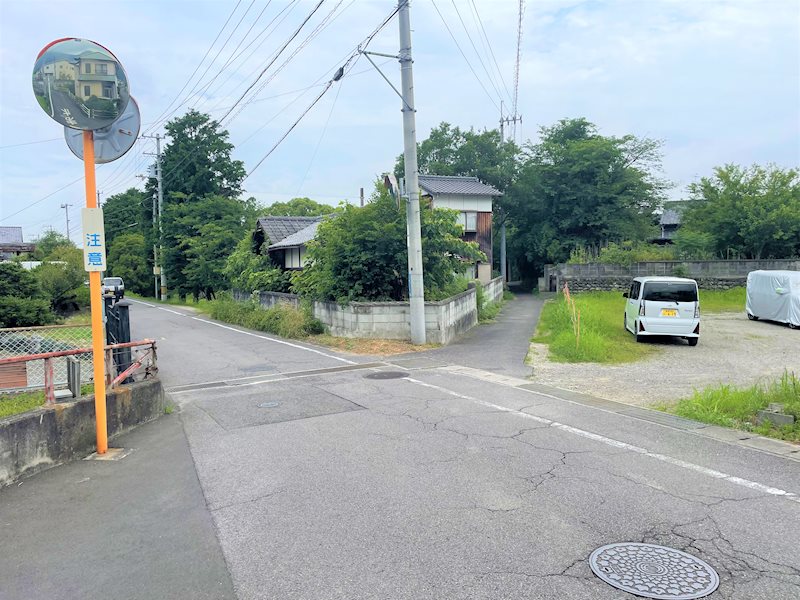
(732, 350)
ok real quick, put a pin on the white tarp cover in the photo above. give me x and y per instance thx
(774, 295)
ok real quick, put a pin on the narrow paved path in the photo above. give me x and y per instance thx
(500, 346)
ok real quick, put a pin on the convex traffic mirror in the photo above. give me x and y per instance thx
(80, 84)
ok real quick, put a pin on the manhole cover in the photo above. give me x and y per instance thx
(653, 571)
(269, 404)
(386, 375)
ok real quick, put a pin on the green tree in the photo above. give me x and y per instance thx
(361, 254)
(127, 258)
(197, 161)
(450, 150)
(48, 243)
(199, 235)
(298, 207)
(577, 188)
(127, 212)
(750, 212)
(250, 269)
(21, 304)
(61, 278)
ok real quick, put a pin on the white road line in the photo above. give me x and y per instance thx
(263, 337)
(753, 485)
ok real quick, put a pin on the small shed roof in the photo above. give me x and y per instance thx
(456, 186)
(277, 229)
(11, 235)
(299, 238)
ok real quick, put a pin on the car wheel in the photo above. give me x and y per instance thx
(751, 317)
(693, 341)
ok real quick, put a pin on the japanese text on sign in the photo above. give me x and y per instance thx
(94, 240)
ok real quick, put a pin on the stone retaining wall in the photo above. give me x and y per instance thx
(710, 274)
(494, 289)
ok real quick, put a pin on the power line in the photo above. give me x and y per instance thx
(483, 87)
(32, 204)
(319, 142)
(337, 77)
(480, 60)
(489, 45)
(30, 143)
(289, 41)
(197, 68)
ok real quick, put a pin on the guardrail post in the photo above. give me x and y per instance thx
(49, 383)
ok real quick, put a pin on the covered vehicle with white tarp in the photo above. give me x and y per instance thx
(775, 296)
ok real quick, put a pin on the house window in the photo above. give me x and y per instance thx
(87, 67)
(292, 260)
(87, 91)
(102, 69)
(468, 220)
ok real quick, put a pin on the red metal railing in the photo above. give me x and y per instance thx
(112, 379)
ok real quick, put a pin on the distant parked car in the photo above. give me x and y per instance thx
(663, 306)
(775, 296)
(113, 286)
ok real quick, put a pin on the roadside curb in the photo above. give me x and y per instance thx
(736, 437)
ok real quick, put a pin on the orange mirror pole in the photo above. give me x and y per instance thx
(96, 303)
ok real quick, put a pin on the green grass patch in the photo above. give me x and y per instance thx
(719, 301)
(201, 305)
(282, 319)
(736, 407)
(488, 311)
(603, 339)
(16, 403)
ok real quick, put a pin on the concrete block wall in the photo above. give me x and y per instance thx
(494, 289)
(267, 299)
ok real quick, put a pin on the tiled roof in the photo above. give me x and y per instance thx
(456, 186)
(298, 238)
(11, 235)
(278, 228)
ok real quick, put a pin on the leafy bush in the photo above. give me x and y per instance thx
(626, 253)
(248, 270)
(283, 319)
(361, 253)
(24, 312)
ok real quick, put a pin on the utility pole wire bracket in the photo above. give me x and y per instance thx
(386, 79)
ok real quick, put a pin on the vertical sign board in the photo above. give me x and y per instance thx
(94, 239)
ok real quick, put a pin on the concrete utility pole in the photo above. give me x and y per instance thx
(158, 139)
(416, 289)
(66, 208)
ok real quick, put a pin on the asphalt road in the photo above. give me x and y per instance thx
(323, 481)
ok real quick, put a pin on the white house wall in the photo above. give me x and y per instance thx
(463, 203)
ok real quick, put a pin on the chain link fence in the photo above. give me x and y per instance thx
(24, 341)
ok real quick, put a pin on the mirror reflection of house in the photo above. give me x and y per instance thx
(11, 243)
(97, 76)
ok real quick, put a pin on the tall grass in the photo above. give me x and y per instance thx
(717, 301)
(731, 406)
(603, 338)
(282, 319)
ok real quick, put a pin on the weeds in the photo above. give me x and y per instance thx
(282, 319)
(735, 407)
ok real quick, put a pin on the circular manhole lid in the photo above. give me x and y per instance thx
(269, 404)
(386, 375)
(653, 571)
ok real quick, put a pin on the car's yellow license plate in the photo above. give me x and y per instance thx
(669, 312)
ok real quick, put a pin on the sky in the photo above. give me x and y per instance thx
(717, 80)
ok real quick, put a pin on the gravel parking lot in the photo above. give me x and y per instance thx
(732, 350)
